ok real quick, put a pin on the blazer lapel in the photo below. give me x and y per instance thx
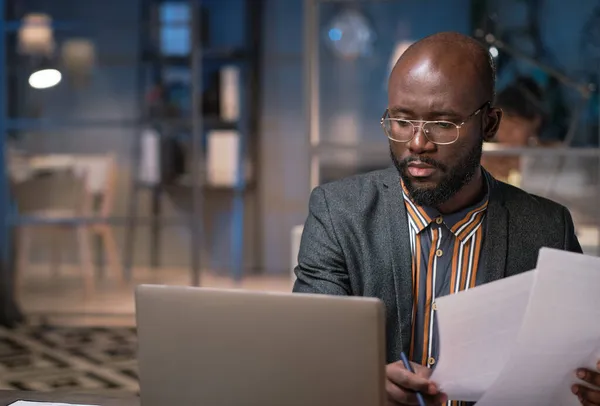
(495, 246)
(400, 252)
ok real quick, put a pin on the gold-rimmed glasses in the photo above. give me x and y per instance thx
(439, 132)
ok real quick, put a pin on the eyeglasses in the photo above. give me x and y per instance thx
(438, 132)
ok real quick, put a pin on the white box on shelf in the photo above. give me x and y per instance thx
(149, 169)
(230, 93)
(222, 157)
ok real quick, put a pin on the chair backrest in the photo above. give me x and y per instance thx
(82, 184)
(62, 190)
(100, 173)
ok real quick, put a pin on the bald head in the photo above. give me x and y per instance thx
(455, 55)
(445, 82)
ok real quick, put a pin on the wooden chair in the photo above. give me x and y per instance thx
(84, 188)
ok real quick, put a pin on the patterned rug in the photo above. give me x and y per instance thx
(90, 359)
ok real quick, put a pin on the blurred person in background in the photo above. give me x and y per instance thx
(383, 233)
(522, 117)
(532, 117)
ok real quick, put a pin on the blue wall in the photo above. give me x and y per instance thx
(358, 89)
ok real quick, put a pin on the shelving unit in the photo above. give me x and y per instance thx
(192, 186)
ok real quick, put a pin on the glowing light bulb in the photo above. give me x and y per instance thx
(45, 78)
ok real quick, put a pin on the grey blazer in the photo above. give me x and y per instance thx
(355, 242)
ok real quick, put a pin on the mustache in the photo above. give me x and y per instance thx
(426, 160)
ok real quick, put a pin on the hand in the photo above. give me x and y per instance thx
(587, 396)
(401, 385)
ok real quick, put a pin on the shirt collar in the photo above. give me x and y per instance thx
(460, 223)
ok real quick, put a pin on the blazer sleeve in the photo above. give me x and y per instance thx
(321, 264)
(571, 243)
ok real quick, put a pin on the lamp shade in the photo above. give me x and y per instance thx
(78, 57)
(35, 35)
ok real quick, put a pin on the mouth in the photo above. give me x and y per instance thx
(420, 169)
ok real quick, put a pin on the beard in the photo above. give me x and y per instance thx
(453, 177)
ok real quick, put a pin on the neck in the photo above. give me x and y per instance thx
(466, 196)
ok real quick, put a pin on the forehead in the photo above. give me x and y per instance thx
(431, 84)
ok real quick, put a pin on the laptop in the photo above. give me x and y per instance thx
(215, 347)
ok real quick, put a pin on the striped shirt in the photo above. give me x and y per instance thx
(445, 260)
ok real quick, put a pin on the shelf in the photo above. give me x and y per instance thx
(14, 25)
(25, 124)
(187, 184)
(42, 124)
(107, 60)
(219, 55)
(114, 220)
(208, 122)
(104, 61)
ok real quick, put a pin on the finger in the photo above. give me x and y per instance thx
(408, 380)
(586, 403)
(592, 377)
(397, 396)
(422, 370)
(400, 396)
(587, 395)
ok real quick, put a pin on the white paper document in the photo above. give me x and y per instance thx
(519, 340)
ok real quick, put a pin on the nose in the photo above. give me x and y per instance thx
(420, 143)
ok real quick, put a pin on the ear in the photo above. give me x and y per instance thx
(492, 123)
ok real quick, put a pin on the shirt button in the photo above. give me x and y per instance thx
(439, 253)
(439, 220)
(431, 361)
(434, 306)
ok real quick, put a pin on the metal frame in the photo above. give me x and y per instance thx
(9, 312)
(375, 153)
(197, 147)
(311, 74)
(4, 187)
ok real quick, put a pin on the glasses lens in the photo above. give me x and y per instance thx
(398, 130)
(441, 132)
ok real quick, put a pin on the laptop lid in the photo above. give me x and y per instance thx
(200, 346)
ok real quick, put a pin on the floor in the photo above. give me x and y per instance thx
(75, 359)
(60, 300)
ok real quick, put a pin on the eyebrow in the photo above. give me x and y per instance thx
(398, 110)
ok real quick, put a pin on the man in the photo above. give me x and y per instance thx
(436, 222)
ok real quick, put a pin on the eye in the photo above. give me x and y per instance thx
(444, 125)
(403, 123)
